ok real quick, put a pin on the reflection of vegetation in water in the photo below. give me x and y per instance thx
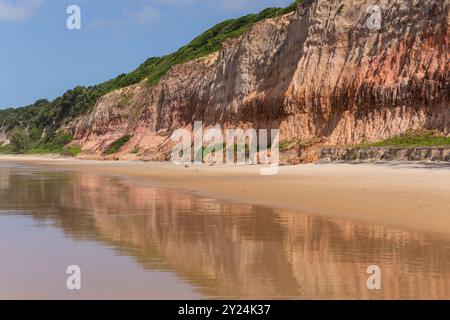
(231, 250)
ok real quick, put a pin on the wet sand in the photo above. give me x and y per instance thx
(410, 196)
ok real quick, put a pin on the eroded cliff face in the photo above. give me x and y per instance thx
(318, 74)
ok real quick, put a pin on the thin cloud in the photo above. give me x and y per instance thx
(144, 15)
(230, 5)
(150, 14)
(18, 10)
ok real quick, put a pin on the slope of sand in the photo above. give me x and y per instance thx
(408, 195)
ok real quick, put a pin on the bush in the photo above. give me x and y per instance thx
(136, 150)
(71, 151)
(117, 145)
(5, 148)
(19, 140)
(62, 138)
(35, 134)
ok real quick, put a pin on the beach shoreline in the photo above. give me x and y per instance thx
(411, 196)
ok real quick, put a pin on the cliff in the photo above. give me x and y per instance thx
(318, 74)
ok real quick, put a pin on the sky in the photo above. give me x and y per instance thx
(41, 58)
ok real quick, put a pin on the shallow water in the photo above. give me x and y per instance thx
(134, 240)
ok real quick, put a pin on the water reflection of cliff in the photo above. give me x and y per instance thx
(232, 250)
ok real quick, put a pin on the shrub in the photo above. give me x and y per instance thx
(71, 151)
(5, 148)
(62, 138)
(19, 140)
(135, 150)
(35, 134)
(117, 145)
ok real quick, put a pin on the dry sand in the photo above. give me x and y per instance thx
(411, 196)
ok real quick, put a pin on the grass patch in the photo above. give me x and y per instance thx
(117, 145)
(71, 151)
(135, 150)
(412, 139)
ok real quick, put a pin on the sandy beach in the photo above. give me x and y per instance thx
(412, 196)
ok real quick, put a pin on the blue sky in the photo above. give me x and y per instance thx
(41, 58)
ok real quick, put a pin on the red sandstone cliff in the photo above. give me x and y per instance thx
(317, 74)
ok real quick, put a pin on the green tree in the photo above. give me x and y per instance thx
(35, 135)
(20, 140)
